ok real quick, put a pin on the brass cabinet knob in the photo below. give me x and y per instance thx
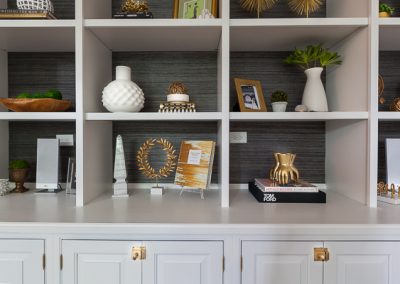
(321, 254)
(138, 253)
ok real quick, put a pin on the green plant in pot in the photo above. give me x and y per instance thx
(385, 10)
(19, 170)
(313, 59)
(279, 101)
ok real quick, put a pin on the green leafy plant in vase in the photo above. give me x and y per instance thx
(385, 10)
(279, 101)
(19, 170)
(313, 59)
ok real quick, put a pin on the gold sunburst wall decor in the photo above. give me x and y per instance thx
(305, 7)
(143, 159)
(257, 5)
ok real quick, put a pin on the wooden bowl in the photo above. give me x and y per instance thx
(36, 105)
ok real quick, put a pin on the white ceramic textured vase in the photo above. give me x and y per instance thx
(35, 5)
(123, 95)
(314, 96)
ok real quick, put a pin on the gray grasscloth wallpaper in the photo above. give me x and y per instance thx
(134, 134)
(386, 130)
(38, 72)
(63, 9)
(23, 143)
(155, 71)
(268, 68)
(255, 159)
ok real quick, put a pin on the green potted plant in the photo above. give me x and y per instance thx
(19, 170)
(313, 59)
(279, 101)
(385, 10)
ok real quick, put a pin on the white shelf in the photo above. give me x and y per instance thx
(155, 116)
(38, 116)
(157, 34)
(389, 116)
(284, 34)
(37, 35)
(297, 116)
(389, 32)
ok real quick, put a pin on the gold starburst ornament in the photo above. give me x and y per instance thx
(148, 170)
(257, 5)
(305, 7)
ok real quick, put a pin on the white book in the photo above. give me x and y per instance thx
(267, 185)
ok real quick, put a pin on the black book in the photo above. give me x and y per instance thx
(138, 15)
(286, 197)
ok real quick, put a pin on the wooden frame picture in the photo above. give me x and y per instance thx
(250, 95)
(191, 9)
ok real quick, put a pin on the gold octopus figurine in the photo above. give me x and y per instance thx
(284, 171)
(134, 6)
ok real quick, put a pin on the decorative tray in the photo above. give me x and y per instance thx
(36, 105)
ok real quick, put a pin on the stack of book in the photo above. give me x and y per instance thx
(267, 191)
(138, 15)
(26, 14)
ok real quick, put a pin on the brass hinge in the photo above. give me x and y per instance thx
(223, 264)
(61, 262)
(321, 254)
(241, 263)
(44, 261)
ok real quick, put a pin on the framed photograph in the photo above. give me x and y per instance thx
(191, 9)
(250, 95)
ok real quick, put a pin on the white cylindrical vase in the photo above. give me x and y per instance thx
(314, 96)
(123, 95)
(279, 106)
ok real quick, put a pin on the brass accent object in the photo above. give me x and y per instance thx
(392, 191)
(321, 254)
(134, 6)
(381, 188)
(19, 176)
(36, 105)
(395, 106)
(284, 171)
(177, 107)
(305, 7)
(381, 88)
(258, 6)
(143, 159)
(138, 253)
(177, 88)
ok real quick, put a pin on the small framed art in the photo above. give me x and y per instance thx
(191, 9)
(250, 95)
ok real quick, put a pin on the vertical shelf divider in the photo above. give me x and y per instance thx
(4, 137)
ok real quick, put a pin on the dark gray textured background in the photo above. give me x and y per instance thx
(389, 69)
(63, 9)
(134, 134)
(23, 143)
(255, 159)
(38, 72)
(268, 68)
(386, 130)
(155, 71)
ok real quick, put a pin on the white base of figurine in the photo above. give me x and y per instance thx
(120, 189)
(157, 190)
(178, 98)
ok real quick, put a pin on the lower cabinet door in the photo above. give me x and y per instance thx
(21, 261)
(363, 263)
(183, 262)
(100, 262)
(268, 262)
(163, 262)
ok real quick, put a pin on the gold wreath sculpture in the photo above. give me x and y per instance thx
(143, 158)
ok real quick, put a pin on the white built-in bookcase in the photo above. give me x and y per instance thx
(351, 27)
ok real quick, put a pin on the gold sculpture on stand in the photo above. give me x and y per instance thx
(305, 7)
(395, 106)
(284, 171)
(134, 6)
(148, 170)
(257, 5)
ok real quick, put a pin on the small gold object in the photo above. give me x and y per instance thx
(143, 159)
(305, 7)
(134, 6)
(381, 187)
(386, 189)
(395, 106)
(138, 253)
(177, 107)
(381, 88)
(177, 88)
(257, 5)
(392, 191)
(321, 254)
(284, 170)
